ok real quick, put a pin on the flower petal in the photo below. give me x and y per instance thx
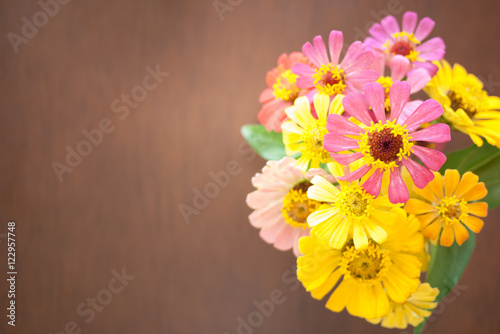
(399, 95)
(424, 28)
(398, 192)
(451, 180)
(346, 159)
(475, 224)
(436, 133)
(433, 159)
(375, 95)
(390, 25)
(461, 233)
(359, 236)
(428, 111)
(409, 22)
(420, 174)
(373, 184)
(418, 78)
(310, 52)
(355, 105)
(320, 48)
(447, 236)
(433, 49)
(479, 209)
(467, 182)
(357, 174)
(340, 124)
(400, 65)
(335, 43)
(418, 207)
(337, 143)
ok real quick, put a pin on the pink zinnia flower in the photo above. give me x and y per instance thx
(390, 39)
(385, 145)
(281, 204)
(327, 75)
(281, 92)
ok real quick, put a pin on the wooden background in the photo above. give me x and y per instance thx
(119, 208)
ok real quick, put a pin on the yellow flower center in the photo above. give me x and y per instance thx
(386, 83)
(354, 201)
(329, 79)
(452, 209)
(312, 136)
(285, 87)
(467, 93)
(404, 44)
(384, 145)
(297, 206)
(367, 266)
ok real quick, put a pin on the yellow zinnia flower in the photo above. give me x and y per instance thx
(371, 276)
(304, 133)
(348, 211)
(467, 106)
(446, 207)
(413, 311)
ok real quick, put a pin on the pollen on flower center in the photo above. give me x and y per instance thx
(329, 79)
(368, 265)
(297, 206)
(468, 94)
(285, 87)
(404, 44)
(384, 145)
(452, 209)
(312, 136)
(354, 201)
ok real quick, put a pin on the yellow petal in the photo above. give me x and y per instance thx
(359, 236)
(451, 179)
(447, 236)
(321, 104)
(300, 113)
(377, 233)
(322, 290)
(479, 209)
(322, 190)
(474, 223)
(336, 106)
(339, 237)
(340, 297)
(320, 216)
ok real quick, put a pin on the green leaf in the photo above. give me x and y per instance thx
(446, 268)
(268, 144)
(483, 161)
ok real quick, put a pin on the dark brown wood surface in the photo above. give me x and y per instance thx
(119, 206)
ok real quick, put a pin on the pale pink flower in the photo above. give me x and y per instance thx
(281, 204)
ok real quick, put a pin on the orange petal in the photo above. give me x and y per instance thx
(479, 209)
(432, 231)
(426, 193)
(461, 233)
(428, 218)
(474, 223)
(436, 185)
(477, 192)
(451, 179)
(418, 207)
(467, 182)
(447, 236)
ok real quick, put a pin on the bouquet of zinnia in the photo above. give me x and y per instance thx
(356, 184)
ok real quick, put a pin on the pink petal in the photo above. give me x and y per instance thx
(436, 133)
(270, 233)
(409, 22)
(379, 62)
(359, 63)
(399, 65)
(433, 49)
(346, 159)
(266, 95)
(374, 183)
(319, 45)
(339, 124)
(355, 105)
(431, 158)
(390, 25)
(335, 43)
(358, 79)
(303, 70)
(285, 239)
(399, 95)
(424, 28)
(264, 216)
(408, 110)
(305, 82)
(378, 32)
(310, 52)
(373, 44)
(418, 78)
(357, 174)
(419, 174)
(428, 66)
(337, 143)
(428, 111)
(354, 50)
(261, 198)
(375, 95)
(398, 192)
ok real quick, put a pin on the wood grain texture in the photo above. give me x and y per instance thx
(119, 208)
